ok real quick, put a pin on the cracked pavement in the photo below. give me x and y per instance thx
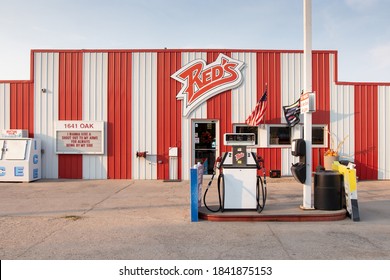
(146, 220)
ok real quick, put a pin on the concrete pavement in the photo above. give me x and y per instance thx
(131, 219)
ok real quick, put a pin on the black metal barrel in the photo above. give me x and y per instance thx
(328, 190)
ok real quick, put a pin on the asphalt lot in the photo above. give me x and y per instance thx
(146, 220)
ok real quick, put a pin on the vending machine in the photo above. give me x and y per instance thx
(20, 156)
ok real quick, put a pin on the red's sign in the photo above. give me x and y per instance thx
(201, 81)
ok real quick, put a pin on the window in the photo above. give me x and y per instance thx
(238, 128)
(318, 135)
(280, 135)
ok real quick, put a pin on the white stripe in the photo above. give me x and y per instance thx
(5, 106)
(144, 115)
(46, 76)
(383, 132)
(199, 113)
(244, 98)
(95, 73)
(342, 119)
(291, 87)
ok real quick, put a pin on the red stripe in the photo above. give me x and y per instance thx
(268, 72)
(220, 106)
(321, 85)
(169, 113)
(70, 107)
(119, 131)
(366, 131)
(22, 106)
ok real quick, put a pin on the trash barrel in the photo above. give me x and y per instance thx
(328, 190)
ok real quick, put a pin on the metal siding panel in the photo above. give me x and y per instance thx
(292, 84)
(22, 106)
(95, 108)
(119, 125)
(383, 132)
(219, 107)
(291, 79)
(244, 97)
(342, 121)
(168, 112)
(269, 72)
(321, 86)
(5, 108)
(70, 107)
(144, 100)
(46, 76)
(366, 128)
(198, 113)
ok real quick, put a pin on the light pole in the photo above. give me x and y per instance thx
(307, 83)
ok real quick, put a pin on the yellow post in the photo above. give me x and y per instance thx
(350, 186)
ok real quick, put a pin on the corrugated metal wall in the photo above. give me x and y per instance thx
(95, 73)
(219, 107)
(198, 113)
(366, 128)
(321, 86)
(384, 132)
(244, 98)
(292, 85)
(119, 126)
(70, 107)
(132, 92)
(5, 106)
(46, 76)
(144, 115)
(22, 106)
(169, 114)
(342, 119)
(269, 72)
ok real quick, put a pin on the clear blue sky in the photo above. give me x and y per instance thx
(358, 29)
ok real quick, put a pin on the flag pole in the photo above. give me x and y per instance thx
(266, 90)
(307, 127)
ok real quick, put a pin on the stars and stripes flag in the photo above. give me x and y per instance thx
(255, 118)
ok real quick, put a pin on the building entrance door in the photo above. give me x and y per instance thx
(205, 144)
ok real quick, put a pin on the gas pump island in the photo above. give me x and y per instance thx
(239, 186)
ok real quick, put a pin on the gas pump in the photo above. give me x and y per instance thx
(239, 186)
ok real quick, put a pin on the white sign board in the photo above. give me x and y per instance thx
(79, 137)
(308, 102)
(14, 133)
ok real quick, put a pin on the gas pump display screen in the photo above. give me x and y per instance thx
(239, 139)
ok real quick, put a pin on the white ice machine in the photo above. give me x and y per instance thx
(20, 156)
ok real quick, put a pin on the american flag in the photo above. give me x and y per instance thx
(254, 119)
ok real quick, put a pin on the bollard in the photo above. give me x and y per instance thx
(196, 181)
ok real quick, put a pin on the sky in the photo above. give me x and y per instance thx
(358, 29)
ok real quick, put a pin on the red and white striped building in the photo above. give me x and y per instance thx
(134, 94)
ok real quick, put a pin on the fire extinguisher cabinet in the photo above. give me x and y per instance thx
(328, 190)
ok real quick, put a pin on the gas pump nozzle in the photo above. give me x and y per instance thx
(218, 163)
(260, 162)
